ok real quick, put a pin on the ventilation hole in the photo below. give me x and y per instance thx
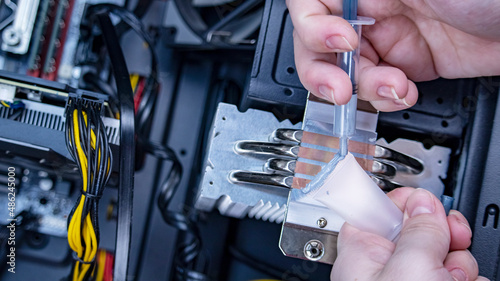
(288, 92)
(43, 121)
(50, 121)
(35, 118)
(28, 116)
(444, 124)
(290, 70)
(439, 100)
(406, 115)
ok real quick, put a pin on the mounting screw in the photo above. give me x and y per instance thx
(314, 250)
(321, 222)
(11, 36)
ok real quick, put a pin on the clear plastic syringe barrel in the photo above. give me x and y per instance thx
(345, 115)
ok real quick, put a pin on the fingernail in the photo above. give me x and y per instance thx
(327, 93)
(459, 219)
(458, 274)
(402, 102)
(421, 203)
(468, 227)
(339, 43)
(387, 92)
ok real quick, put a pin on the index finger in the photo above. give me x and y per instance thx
(319, 30)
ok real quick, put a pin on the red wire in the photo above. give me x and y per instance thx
(138, 93)
(108, 267)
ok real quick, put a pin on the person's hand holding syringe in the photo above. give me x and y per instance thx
(410, 41)
(342, 185)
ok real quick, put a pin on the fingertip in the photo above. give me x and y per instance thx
(406, 99)
(460, 231)
(461, 265)
(460, 218)
(411, 96)
(425, 222)
(326, 34)
(458, 274)
(328, 82)
(420, 202)
(400, 195)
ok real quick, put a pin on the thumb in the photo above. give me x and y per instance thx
(424, 238)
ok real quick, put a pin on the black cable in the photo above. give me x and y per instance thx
(146, 106)
(254, 263)
(139, 11)
(188, 252)
(261, 266)
(127, 145)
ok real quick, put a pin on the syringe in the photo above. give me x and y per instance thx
(342, 185)
(344, 123)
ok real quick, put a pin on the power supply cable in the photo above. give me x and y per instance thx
(149, 94)
(127, 145)
(87, 142)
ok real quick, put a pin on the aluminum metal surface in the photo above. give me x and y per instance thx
(435, 165)
(52, 117)
(217, 191)
(295, 239)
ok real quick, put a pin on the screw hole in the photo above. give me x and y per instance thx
(183, 152)
(223, 118)
(444, 124)
(439, 100)
(406, 116)
(288, 92)
(439, 161)
(211, 183)
(290, 70)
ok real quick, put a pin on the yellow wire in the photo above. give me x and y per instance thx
(85, 268)
(100, 265)
(75, 223)
(5, 104)
(134, 79)
(76, 271)
(76, 230)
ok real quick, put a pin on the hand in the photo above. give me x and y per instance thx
(431, 247)
(419, 40)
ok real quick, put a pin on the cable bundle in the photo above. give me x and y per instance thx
(87, 143)
(103, 271)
